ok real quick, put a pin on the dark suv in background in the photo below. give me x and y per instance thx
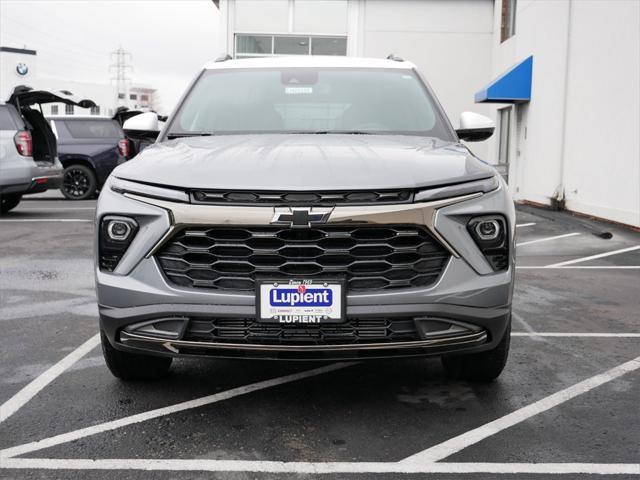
(89, 148)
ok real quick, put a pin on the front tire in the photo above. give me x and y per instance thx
(479, 367)
(79, 182)
(9, 202)
(133, 366)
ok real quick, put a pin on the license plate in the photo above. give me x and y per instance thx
(301, 301)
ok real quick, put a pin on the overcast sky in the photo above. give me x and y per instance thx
(169, 40)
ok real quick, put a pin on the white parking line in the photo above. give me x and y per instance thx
(460, 442)
(525, 224)
(38, 209)
(37, 220)
(530, 331)
(547, 239)
(204, 465)
(160, 412)
(579, 267)
(576, 334)
(12, 405)
(594, 257)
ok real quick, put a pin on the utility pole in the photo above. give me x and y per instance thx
(120, 67)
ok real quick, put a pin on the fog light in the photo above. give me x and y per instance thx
(488, 229)
(118, 230)
(116, 234)
(492, 237)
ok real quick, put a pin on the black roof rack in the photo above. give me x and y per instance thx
(395, 58)
(224, 58)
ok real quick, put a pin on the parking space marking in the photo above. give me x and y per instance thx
(258, 466)
(547, 239)
(160, 412)
(577, 334)
(460, 442)
(53, 209)
(36, 220)
(530, 224)
(530, 331)
(16, 402)
(578, 267)
(594, 257)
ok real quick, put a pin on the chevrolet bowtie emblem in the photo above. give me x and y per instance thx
(301, 217)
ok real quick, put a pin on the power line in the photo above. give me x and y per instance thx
(121, 68)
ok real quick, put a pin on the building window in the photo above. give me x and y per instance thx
(249, 45)
(144, 98)
(95, 110)
(68, 109)
(291, 45)
(508, 20)
(54, 109)
(121, 96)
(267, 45)
(133, 96)
(328, 46)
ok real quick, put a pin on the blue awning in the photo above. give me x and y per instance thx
(513, 86)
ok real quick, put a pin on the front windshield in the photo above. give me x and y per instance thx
(309, 100)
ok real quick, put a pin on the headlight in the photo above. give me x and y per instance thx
(477, 186)
(116, 234)
(492, 237)
(127, 186)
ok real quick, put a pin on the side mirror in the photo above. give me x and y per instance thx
(145, 121)
(475, 127)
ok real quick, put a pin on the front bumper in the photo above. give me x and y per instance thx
(468, 293)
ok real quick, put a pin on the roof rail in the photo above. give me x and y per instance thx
(395, 58)
(224, 58)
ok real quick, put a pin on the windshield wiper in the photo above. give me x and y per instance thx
(171, 136)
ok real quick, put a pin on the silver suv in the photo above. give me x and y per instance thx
(306, 209)
(28, 149)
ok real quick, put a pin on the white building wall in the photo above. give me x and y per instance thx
(602, 139)
(10, 78)
(536, 156)
(578, 138)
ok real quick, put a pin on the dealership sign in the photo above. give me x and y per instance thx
(22, 69)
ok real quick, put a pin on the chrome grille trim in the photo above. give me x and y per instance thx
(174, 346)
(181, 214)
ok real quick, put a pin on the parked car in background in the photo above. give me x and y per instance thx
(89, 148)
(28, 153)
(138, 139)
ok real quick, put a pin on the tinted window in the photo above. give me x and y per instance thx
(6, 120)
(328, 46)
(93, 129)
(310, 100)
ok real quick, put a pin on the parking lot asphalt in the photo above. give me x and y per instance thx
(567, 405)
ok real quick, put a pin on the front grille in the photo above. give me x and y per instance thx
(368, 257)
(246, 330)
(245, 197)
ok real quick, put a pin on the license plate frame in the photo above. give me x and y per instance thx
(337, 315)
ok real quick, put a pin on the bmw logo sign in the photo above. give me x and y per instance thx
(22, 69)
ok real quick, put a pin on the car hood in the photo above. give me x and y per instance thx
(304, 162)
